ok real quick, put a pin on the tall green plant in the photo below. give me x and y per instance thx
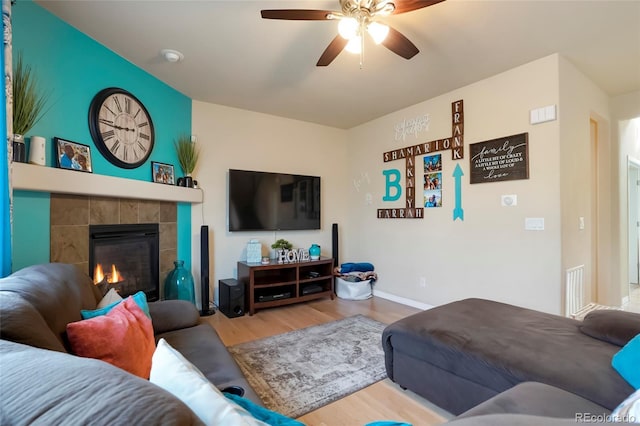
(187, 154)
(28, 102)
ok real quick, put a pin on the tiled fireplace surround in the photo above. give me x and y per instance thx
(71, 216)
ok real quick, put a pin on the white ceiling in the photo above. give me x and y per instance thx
(233, 57)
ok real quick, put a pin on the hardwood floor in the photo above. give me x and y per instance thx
(381, 401)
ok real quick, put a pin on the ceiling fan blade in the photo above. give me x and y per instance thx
(296, 14)
(333, 50)
(399, 44)
(403, 6)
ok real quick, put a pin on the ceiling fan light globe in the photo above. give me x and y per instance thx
(348, 28)
(354, 45)
(378, 32)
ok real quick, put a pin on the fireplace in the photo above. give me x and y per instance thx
(125, 257)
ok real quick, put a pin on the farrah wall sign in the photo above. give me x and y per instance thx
(393, 186)
(500, 159)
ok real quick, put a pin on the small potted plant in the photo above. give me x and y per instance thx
(188, 154)
(281, 244)
(28, 106)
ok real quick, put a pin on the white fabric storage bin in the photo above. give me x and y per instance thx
(360, 290)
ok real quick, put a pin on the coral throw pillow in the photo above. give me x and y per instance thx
(123, 337)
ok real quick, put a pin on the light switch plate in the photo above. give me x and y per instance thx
(534, 224)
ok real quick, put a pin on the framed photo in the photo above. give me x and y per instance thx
(162, 173)
(73, 155)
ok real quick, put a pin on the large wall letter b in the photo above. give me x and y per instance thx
(392, 184)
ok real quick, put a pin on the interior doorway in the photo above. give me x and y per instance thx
(633, 228)
(592, 291)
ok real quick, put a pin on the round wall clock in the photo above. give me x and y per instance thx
(121, 128)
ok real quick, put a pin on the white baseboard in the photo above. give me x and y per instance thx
(403, 300)
(625, 300)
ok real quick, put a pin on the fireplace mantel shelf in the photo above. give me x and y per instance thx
(30, 177)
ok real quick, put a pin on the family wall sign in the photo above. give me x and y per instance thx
(393, 184)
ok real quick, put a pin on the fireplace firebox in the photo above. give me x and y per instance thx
(125, 257)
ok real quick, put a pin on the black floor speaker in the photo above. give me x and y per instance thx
(204, 272)
(231, 298)
(334, 244)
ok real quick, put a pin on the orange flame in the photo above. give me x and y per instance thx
(115, 275)
(98, 274)
(112, 278)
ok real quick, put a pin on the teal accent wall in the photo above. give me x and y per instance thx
(72, 67)
(31, 233)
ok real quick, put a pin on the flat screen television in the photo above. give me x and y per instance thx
(263, 201)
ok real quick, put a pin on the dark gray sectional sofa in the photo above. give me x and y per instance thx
(478, 357)
(42, 383)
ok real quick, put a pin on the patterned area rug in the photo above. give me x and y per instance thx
(297, 372)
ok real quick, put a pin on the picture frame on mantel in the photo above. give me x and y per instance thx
(73, 155)
(163, 173)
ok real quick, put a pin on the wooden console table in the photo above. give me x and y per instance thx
(277, 284)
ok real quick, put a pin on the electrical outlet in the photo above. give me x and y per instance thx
(423, 282)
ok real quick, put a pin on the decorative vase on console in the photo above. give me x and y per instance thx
(179, 284)
(314, 252)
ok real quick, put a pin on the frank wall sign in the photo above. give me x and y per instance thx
(414, 209)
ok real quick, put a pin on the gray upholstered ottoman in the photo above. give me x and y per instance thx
(463, 353)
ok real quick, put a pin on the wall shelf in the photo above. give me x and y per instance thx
(29, 177)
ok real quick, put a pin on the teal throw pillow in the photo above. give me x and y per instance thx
(627, 360)
(140, 298)
(265, 415)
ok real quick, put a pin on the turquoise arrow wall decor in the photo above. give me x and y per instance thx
(458, 212)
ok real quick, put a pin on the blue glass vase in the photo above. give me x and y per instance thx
(179, 284)
(314, 252)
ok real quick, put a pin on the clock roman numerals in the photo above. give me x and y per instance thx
(117, 102)
(108, 134)
(121, 127)
(114, 148)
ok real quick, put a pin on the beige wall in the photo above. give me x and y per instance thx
(238, 139)
(489, 254)
(582, 177)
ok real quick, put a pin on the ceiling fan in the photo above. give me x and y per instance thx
(358, 17)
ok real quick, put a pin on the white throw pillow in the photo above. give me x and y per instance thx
(629, 410)
(112, 296)
(172, 372)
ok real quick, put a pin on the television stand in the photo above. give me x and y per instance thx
(278, 284)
